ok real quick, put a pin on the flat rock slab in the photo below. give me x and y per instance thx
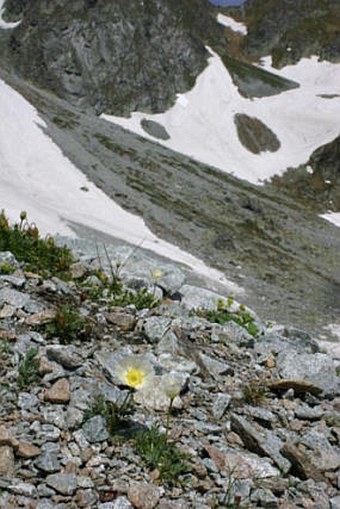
(318, 369)
(259, 442)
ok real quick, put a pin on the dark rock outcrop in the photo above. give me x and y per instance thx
(292, 29)
(110, 56)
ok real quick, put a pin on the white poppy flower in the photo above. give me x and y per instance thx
(135, 371)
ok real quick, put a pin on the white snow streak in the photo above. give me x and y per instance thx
(3, 24)
(231, 23)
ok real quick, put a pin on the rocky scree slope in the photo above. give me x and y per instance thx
(258, 417)
(115, 57)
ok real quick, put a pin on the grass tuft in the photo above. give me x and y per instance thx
(38, 255)
(28, 368)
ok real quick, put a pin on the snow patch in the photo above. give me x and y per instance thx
(332, 217)
(4, 24)
(35, 176)
(201, 123)
(229, 22)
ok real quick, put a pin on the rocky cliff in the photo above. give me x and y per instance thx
(292, 29)
(113, 56)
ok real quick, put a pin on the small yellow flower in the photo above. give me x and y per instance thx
(135, 371)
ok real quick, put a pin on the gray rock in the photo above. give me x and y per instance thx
(265, 498)
(95, 429)
(48, 462)
(232, 332)
(6, 257)
(215, 368)
(260, 414)
(154, 129)
(16, 281)
(220, 405)
(66, 484)
(169, 344)
(200, 298)
(119, 503)
(155, 327)
(260, 442)
(22, 488)
(14, 298)
(54, 415)
(315, 368)
(47, 433)
(27, 401)
(310, 413)
(67, 356)
(45, 504)
(74, 418)
(335, 502)
(326, 457)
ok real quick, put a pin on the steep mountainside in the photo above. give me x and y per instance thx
(114, 56)
(292, 29)
(316, 184)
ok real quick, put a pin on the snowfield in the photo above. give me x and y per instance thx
(201, 123)
(35, 176)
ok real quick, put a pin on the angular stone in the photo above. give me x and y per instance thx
(301, 463)
(261, 443)
(95, 429)
(7, 462)
(309, 413)
(86, 498)
(125, 321)
(40, 318)
(66, 484)
(220, 405)
(24, 489)
(335, 502)
(144, 496)
(214, 367)
(25, 450)
(59, 392)
(74, 418)
(318, 369)
(232, 332)
(27, 401)
(6, 438)
(48, 462)
(14, 298)
(7, 311)
(324, 456)
(67, 356)
(155, 327)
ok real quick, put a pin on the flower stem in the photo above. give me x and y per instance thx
(125, 403)
(168, 420)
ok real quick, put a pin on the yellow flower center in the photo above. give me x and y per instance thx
(134, 377)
